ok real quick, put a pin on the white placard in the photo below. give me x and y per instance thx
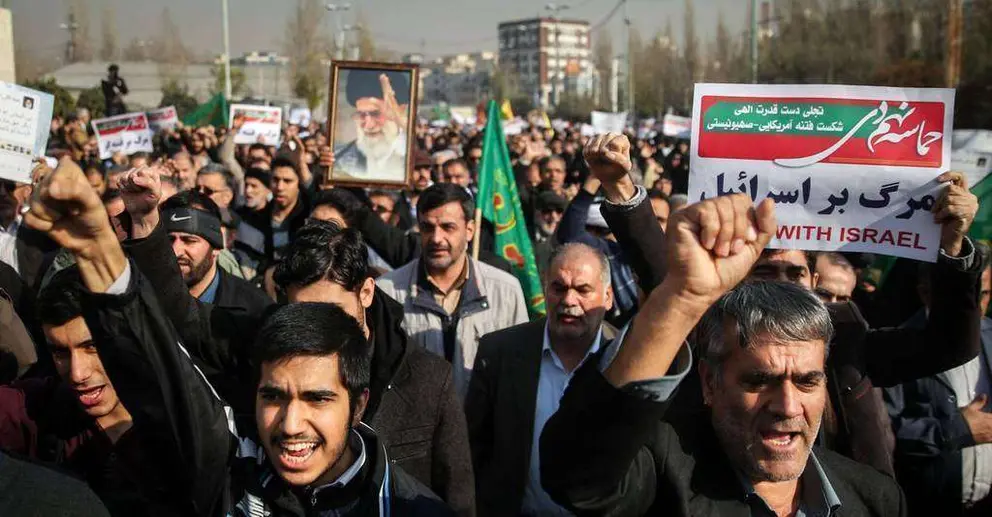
(128, 133)
(676, 126)
(300, 117)
(163, 118)
(605, 122)
(262, 124)
(850, 168)
(25, 121)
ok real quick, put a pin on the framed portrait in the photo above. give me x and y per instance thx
(373, 107)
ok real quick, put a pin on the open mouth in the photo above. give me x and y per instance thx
(568, 320)
(91, 396)
(780, 440)
(294, 455)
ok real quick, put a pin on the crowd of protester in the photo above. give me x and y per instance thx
(213, 329)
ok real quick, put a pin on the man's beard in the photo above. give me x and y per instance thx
(380, 146)
(197, 272)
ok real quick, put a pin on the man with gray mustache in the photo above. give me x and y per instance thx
(520, 375)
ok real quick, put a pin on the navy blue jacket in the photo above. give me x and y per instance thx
(930, 433)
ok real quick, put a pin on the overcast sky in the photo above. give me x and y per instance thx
(444, 26)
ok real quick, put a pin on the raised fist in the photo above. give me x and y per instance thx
(714, 244)
(141, 189)
(608, 157)
(69, 210)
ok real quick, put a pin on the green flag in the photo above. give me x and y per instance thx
(500, 204)
(981, 228)
(213, 112)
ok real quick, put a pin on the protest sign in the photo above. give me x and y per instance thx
(163, 118)
(128, 133)
(605, 122)
(676, 126)
(849, 168)
(300, 116)
(262, 124)
(25, 120)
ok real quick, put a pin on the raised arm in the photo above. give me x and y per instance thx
(952, 335)
(712, 247)
(627, 209)
(173, 406)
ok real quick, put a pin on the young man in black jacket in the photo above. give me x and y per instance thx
(310, 454)
(412, 401)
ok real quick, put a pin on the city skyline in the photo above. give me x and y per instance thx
(420, 26)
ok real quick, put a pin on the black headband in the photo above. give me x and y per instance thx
(195, 222)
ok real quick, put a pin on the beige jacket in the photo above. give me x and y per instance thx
(491, 300)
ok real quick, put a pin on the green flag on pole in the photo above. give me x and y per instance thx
(500, 204)
(981, 228)
(212, 112)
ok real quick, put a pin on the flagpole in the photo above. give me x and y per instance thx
(478, 234)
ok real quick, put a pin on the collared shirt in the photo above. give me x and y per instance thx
(968, 381)
(448, 300)
(551, 384)
(8, 250)
(210, 293)
(356, 442)
(818, 498)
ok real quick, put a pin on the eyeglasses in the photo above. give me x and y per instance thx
(207, 191)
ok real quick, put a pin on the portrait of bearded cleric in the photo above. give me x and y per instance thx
(373, 109)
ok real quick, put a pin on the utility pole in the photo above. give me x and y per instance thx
(631, 106)
(955, 21)
(754, 41)
(227, 52)
(70, 48)
(335, 9)
(615, 85)
(556, 80)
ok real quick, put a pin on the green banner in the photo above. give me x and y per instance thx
(212, 112)
(792, 119)
(500, 204)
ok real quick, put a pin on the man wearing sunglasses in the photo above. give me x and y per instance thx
(380, 118)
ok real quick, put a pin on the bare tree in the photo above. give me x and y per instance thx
(305, 45)
(168, 49)
(109, 47)
(690, 49)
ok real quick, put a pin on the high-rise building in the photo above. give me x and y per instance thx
(458, 80)
(549, 57)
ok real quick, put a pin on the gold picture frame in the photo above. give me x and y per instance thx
(372, 109)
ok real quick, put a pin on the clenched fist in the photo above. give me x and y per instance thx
(608, 157)
(714, 244)
(66, 207)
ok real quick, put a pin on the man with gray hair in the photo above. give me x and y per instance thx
(520, 374)
(611, 449)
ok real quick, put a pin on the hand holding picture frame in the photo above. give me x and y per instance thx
(372, 111)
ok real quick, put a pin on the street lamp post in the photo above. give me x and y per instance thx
(227, 52)
(555, 81)
(339, 35)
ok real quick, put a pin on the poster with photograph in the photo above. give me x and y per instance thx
(25, 121)
(372, 111)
